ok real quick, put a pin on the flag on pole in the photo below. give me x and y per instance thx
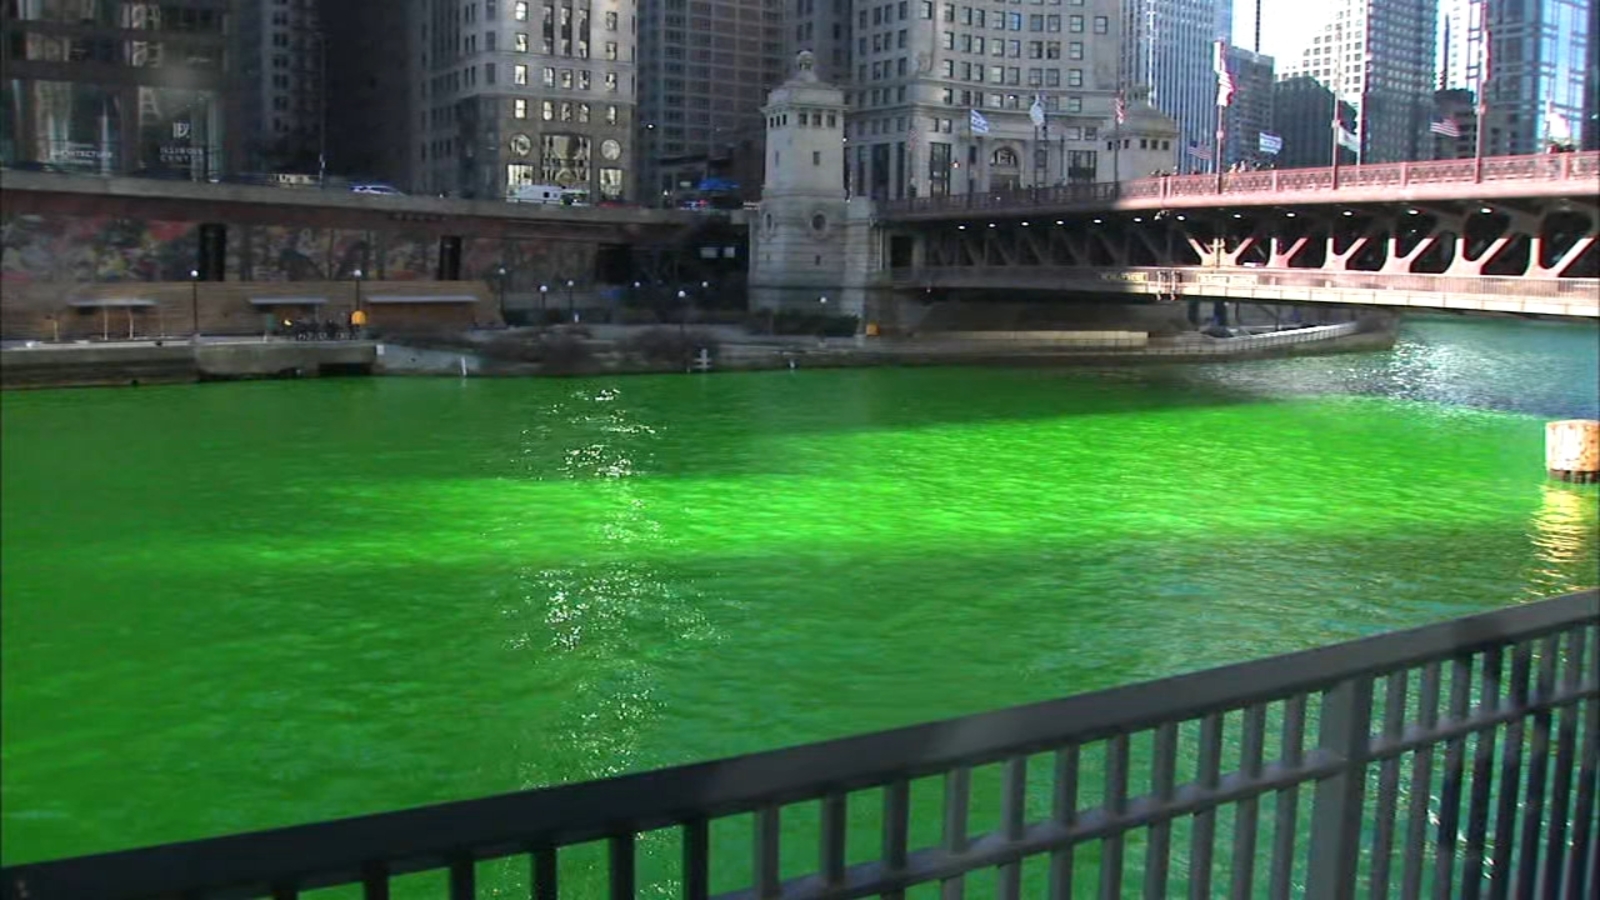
(1036, 111)
(1199, 152)
(1346, 138)
(1483, 72)
(980, 125)
(1270, 143)
(1446, 126)
(1557, 129)
(1121, 108)
(1224, 80)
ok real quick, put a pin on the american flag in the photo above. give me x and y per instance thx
(1122, 108)
(1199, 152)
(1446, 126)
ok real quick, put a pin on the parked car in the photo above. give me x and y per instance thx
(376, 188)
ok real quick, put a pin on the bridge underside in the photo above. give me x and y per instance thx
(1534, 256)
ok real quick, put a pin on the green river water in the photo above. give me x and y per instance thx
(230, 607)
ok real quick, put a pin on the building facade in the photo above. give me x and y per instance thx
(1460, 44)
(496, 94)
(1538, 68)
(118, 87)
(943, 95)
(826, 28)
(1303, 109)
(1250, 113)
(523, 92)
(1591, 90)
(374, 75)
(281, 67)
(1379, 56)
(705, 67)
(1167, 45)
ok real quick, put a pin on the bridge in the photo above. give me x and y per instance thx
(1328, 774)
(1508, 234)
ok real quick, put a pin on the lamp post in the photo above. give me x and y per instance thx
(357, 274)
(501, 272)
(194, 302)
(544, 291)
(683, 297)
(571, 312)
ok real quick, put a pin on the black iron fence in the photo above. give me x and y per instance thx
(1454, 760)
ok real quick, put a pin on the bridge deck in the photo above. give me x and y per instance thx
(1497, 178)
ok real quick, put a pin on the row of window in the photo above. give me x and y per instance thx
(1037, 77)
(564, 110)
(980, 100)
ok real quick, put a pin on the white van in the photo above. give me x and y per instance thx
(548, 195)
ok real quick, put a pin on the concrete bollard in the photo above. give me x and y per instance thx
(1572, 450)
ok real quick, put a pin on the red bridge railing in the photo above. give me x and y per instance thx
(1579, 168)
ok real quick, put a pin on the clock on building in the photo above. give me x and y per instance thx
(610, 149)
(521, 144)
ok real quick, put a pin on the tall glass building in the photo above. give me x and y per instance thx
(1538, 65)
(1168, 45)
(114, 88)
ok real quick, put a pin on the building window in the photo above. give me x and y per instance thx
(519, 42)
(611, 21)
(488, 73)
(548, 110)
(519, 74)
(519, 10)
(1074, 78)
(611, 82)
(927, 9)
(519, 108)
(566, 79)
(1075, 24)
(564, 159)
(1075, 50)
(611, 50)
(583, 79)
(1102, 25)
(583, 113)
(611, 114)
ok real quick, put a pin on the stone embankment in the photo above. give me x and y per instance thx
(620, 350)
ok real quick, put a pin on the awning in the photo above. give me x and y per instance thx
(288, 301)
(112, 303)
(385, 299)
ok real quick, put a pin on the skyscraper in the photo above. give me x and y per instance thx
(279, 46)
(1167, 45)
(498, 93)
(704, 73)
(1379, 55)
(111, 88)
(1537, 72)
(1460, 43)
(1303, 110)
(1250, 113)
(1591, 90)
(824, 28)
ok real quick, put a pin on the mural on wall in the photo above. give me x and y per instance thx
(528, 262)
(70, 248)
(95, 248)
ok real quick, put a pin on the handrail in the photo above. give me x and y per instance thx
(374, 848)
(1549, 167)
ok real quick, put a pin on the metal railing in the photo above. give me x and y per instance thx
(1195, 279)
(1581, 169)
(1500, 711)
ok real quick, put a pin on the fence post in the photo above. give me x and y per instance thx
(1345, 735)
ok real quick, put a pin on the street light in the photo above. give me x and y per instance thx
(544, 290)
(501, 271)
(194, 302)
(571, 313)
(357, 274)
(683, 306)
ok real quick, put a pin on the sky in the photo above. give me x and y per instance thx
(1287, 26)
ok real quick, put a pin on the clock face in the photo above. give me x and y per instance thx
(521, 144)
(610, 149)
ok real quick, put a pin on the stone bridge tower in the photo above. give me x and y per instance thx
(800, 240)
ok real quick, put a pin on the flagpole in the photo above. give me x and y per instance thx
(1483, 102)
(1335, 127)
